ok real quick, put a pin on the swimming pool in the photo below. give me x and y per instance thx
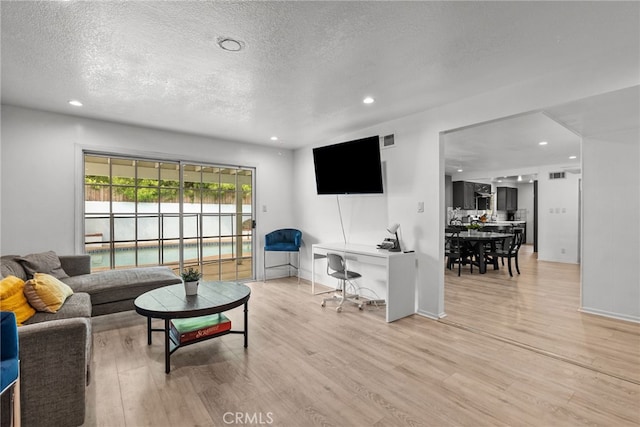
(150, 255)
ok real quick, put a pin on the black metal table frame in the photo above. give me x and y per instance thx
(168, 351)
(170, 346)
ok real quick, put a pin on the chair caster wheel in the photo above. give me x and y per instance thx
(322, 305)
(360, 307)
(339, 309)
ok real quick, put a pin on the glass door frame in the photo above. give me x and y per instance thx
(238, 232)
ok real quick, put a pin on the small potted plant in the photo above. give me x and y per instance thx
(191, 278)
(473, 228)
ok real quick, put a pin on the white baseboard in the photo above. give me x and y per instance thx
(604, 313)
(431, 315)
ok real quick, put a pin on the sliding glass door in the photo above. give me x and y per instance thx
(218, 221)
(141, 212)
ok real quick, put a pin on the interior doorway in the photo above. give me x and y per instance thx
(513, 152)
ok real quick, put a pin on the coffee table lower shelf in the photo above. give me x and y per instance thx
(170, 345)
(173, 345)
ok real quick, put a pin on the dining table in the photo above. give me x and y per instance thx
(477, 240)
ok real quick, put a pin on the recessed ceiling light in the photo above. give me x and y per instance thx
(499, 180)
(459, 170)
(530, 181)
(230, 44)
(573, 157)
(543, 143)
(75, 103)
(274, 138)
(368, 100)
(519, 177)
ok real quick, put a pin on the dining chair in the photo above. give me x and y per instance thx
(456, 252)
(500, 243)
(509, 249)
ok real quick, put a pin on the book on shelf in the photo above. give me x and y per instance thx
(193, 328)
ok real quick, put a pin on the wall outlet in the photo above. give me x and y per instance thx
(420, 207)
(264, 208)
(562, 250)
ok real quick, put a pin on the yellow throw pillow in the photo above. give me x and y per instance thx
(46, 293)
(13, 299)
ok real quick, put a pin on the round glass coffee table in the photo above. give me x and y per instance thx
(170, 302)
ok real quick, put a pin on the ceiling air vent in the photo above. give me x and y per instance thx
(556, 175)
(387, 141)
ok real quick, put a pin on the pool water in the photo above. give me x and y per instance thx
(150, 255)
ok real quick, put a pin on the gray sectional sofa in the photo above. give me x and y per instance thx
(55, 348)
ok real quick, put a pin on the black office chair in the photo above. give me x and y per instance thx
(336, 267)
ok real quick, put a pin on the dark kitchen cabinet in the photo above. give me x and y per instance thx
(471, 195)
(507, 199)
(464, 195)
(512, 199)
(501, 198)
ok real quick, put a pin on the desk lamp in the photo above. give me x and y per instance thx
(393, 229)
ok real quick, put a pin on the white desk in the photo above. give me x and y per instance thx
(399, 267)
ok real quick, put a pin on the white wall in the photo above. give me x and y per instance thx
(41, 174)
(525, 204)
(611, 238)
(558, 217)
(415, 170)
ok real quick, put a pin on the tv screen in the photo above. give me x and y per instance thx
(351, 167)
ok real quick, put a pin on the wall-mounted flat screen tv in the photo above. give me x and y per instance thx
(351, 167)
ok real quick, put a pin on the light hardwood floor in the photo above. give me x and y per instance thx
(512, 351)
(539, 310)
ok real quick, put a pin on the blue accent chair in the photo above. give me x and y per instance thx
(283, 240)
(10, 362)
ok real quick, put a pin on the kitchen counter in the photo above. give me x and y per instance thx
(504, 222)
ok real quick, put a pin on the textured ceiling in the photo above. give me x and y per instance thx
(305, 68)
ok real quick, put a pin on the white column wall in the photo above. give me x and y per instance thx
(611, 242)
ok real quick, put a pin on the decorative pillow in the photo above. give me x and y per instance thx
(44, 262)
(46, 293)
(12, 299)
(10, 267)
